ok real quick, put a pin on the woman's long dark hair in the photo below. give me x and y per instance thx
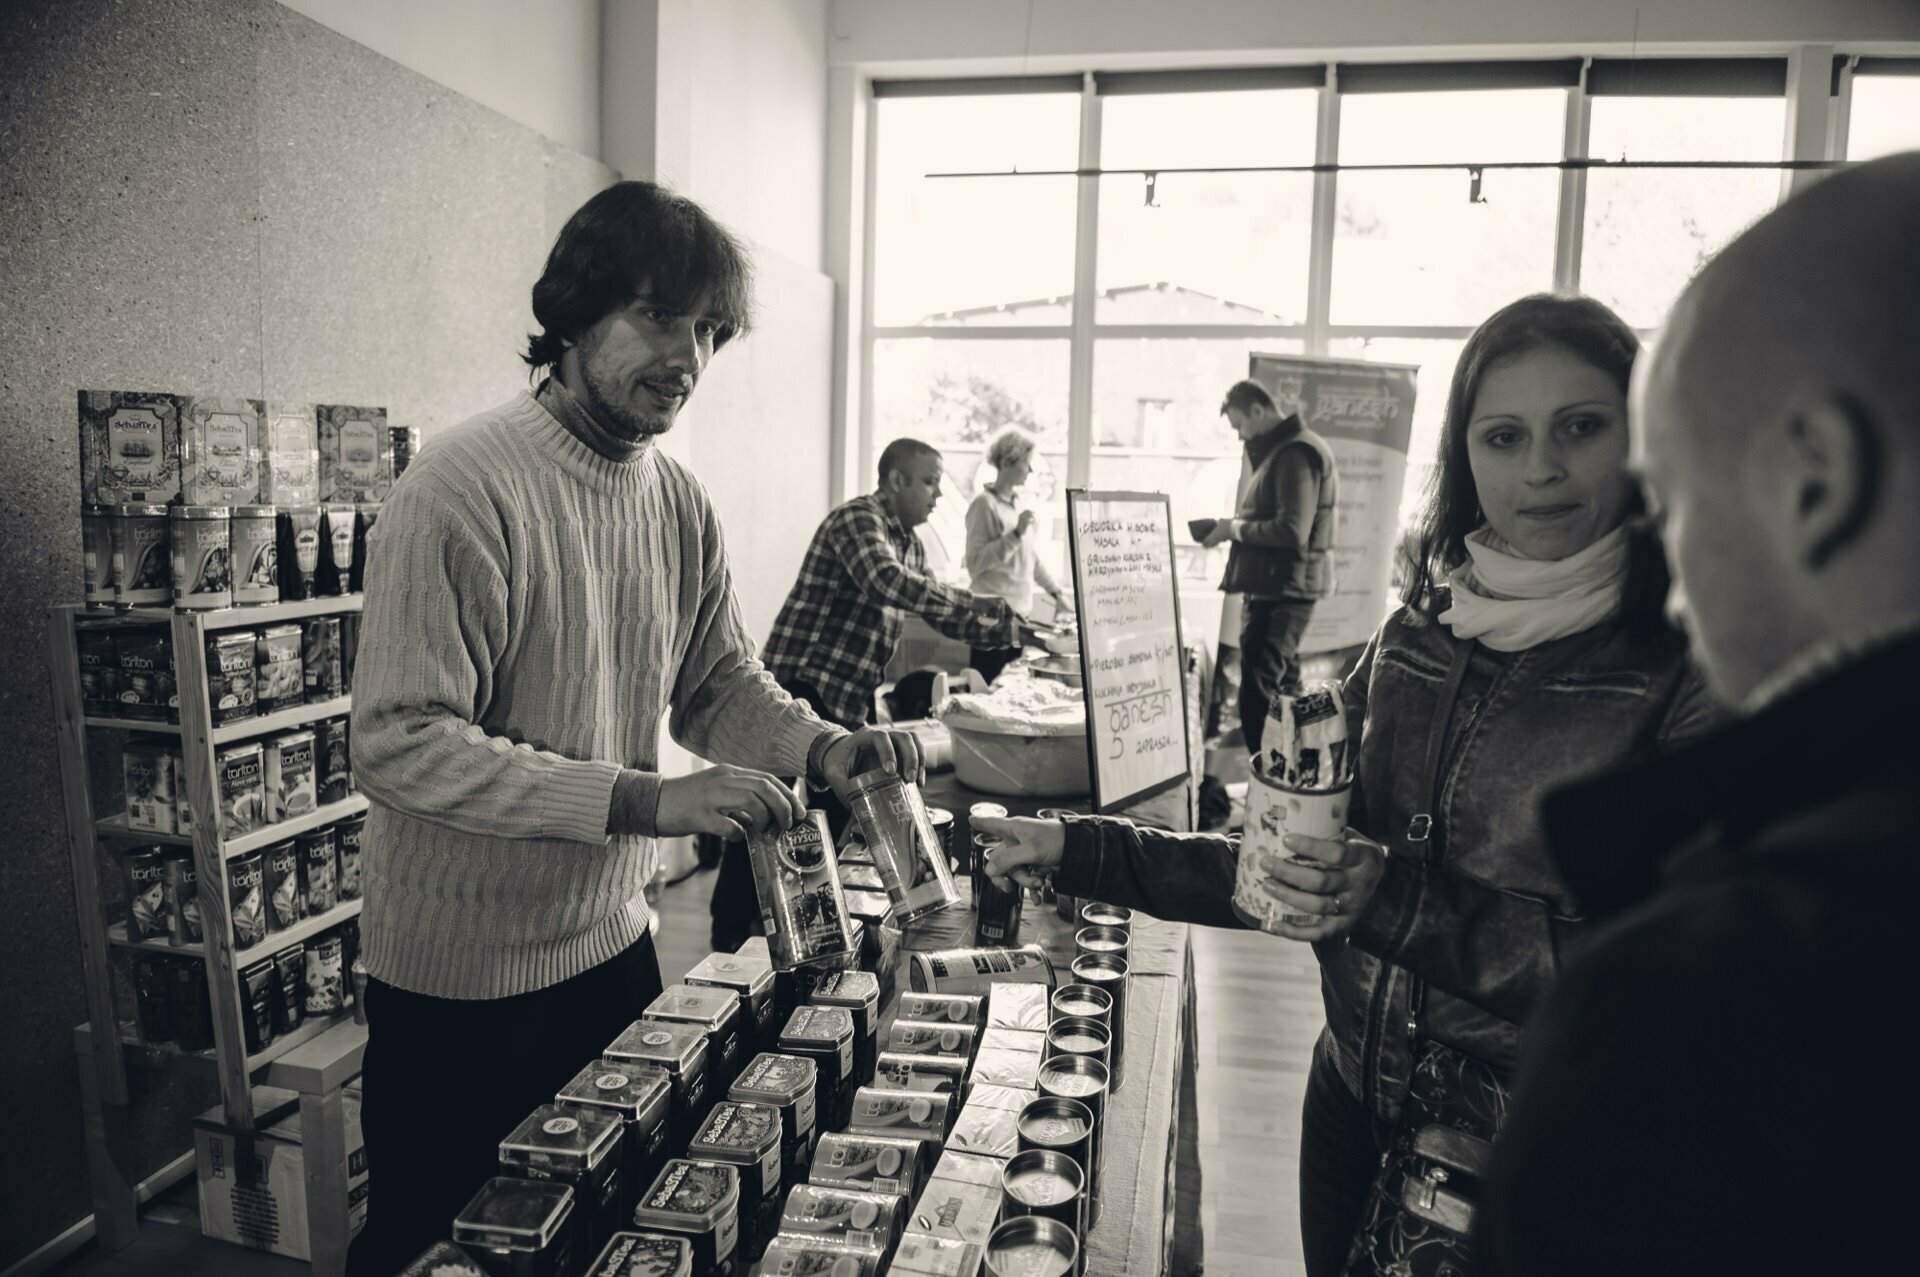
(1589, 331)
(630, 235)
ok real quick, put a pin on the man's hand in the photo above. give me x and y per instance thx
(1025, 523)
(1029, 848)
(896, 753)
(1221, 534)
(1327, 883)
(726, 801)
(988, 607)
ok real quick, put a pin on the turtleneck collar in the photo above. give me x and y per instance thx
(584, 426)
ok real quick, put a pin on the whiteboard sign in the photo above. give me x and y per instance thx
(1131, 659)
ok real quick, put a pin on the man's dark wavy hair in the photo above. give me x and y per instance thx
(1591, 332)
(629, 236)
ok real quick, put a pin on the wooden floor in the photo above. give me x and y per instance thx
(1258, 1002)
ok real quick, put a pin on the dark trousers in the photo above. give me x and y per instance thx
(1340, 1147)
(447, 1079)
(735, 906)
(1270, 631)
(991, 660)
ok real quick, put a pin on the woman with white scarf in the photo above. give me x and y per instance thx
(1531, 651)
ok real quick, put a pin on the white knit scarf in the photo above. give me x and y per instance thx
(1510, 603)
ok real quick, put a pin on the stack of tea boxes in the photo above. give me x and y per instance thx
(750, 1121)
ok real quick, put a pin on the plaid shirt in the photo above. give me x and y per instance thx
(837, 630)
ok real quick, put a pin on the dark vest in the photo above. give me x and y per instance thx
(1266, 572)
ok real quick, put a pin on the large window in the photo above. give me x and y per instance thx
(973, 321)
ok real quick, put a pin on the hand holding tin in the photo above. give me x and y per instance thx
(1330, 881)
(896, 753)
(726, 801)
(1026, 846)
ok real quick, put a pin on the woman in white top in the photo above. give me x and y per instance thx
(1002, 555)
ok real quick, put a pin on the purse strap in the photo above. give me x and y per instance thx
(1420, 827)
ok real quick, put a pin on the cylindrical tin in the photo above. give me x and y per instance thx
(983, 845)
(1109, 971)
(242, 789)
(290, 1008)
(1084, 1002)
(1045, 1185)
(1031, 1246)
(874, 1163)
(152, 1003)
(202, 543)
(922, 1114)
(145, 686)
(324, 666)
(1097, 913)
(278, 674)
(996, 811)
(998, 919)
(1068, 907)
(852, 1216)
(1059, 1125)
(326, 974)
(366, 512)
(286, 901)
(183, 897)
(147, 893)
(942, 821)
(786, 1082)
(349, 646)
(912, 863)
(233, 687)
(520, 1226)
(333, 769)
(818, 1257)
(247, 898)
(680, 1049)
(99, 670)
(96, 529)
(142, 561)
(320, 868)
(147, 769)
(747, 1137)
(299, 551)
(942, 1008)
(290, 785)
(188, 1005)
(925, 1037)
(798, 885)
(942, 1074)
(1082, 1078)
(337, 523)
(977, 970)
(1114, 940)
(256, 555)
(348, 835)
(1076, 1036)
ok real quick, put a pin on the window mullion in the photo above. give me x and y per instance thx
(1085, 293)
(1571, 223)
(1326, 150)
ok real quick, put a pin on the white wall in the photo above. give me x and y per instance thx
(536, 63)
(888, 35)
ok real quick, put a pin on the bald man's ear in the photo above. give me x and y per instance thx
(1833, 462)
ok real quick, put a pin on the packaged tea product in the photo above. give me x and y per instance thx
(146, 768)
(786, 1083)
(642, 1096)
(290, 1008)
(356, 453)
(182, 897)
(182, 799)
(146, 893)
(290, 468)
(256, 555)
(286, 903)
(232, 687)
(798, 885)
(290, 784)
(851, 1216)
(326, 974)
(716, 1012)
(746, 1136)
(201, 537)
(875, 1163)
(242, 787)
(334, 772)
(520, 1227)
(443, 1259)
(259, 987)
(337, 524)
(220, 446)
(348, 835)
(96, 560)
(188, 1004)
(320, 866)
(701, 1202)
(129, 446)
(153, 997)
(247, 898)
(680, 1049)
(326, 677)
(629, 1254)
(279, 672)
(144, 654)
(751, 979)
(298, 551)
(99, 671)
(142, 556)
(367, 513)
(579, 1147)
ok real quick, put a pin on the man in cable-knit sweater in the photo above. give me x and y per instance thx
(543, 586)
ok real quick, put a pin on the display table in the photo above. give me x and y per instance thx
(1136, 1227)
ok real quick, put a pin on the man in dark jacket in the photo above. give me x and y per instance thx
(1282, 537)
(1720, 1082)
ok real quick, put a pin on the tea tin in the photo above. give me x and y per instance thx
(320, 869)
(519, 1227)
(679, 1049)
(291, 790)
(876, 1163)
(906, 850)
(279, 675)
(798, 885)
(247, 898)
(855, 1217)
(786, 1083)
(256, 555)
(232, 675)
(146, 893)
(286, 900)
(142, 557)
(716, 1012)
(699, 1201)
(629, 1254)
(201, 538)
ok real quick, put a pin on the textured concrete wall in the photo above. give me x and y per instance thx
(217, 196)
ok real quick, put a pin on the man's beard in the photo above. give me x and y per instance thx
(614, 411)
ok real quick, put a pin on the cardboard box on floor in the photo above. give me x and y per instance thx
(263, 1204)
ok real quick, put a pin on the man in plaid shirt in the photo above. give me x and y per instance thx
(864, 571)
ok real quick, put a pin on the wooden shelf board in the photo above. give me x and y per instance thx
(305, 929)
(349, 1045)
(352, 805)
(133, 724)
(228, 618)
(282, 720)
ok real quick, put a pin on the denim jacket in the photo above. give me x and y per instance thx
(1473, 926)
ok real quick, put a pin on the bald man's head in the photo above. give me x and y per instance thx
(1778, 427)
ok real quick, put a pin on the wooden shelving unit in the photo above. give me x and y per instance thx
(328, 1047)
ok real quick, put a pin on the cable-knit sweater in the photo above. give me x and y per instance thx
(534, 607)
